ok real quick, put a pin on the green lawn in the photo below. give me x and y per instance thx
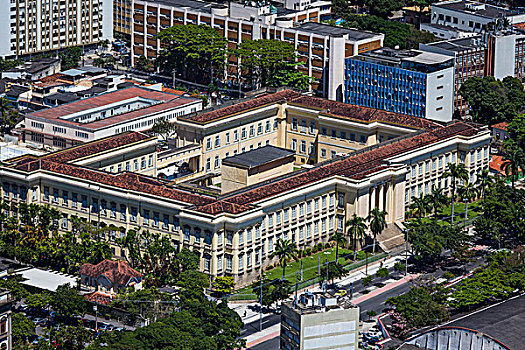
(474, 210)
(310, 265)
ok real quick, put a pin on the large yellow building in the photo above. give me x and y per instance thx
(235, 233)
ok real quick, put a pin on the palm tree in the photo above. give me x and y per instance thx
(377, 223)
(468, 192)
(340, 240)
(285, 251)
(483, 181)
(356, 230)
(437, 200)
(457, 172)
(420, 205)
(514, 160)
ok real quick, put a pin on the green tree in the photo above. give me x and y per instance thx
(224, 284)
(164, 129)
(367, 281)
(356, 230)
(99, 62)
(382, 272)
(144, 64)
(67, 302)
(371, 313)
(514, 160)
(486, 286)
(420, 206)
(437, 200)
(9, 115)
(483, 181)
(71, 337)
(397, 34)
(493, 100)
(516, 130)
(284, 251)
(8, 64)
(377, 223)
(503, 216)
(271, 63)
(468, 192)
(38, 300)
(422, 305)
(383, 8)
(70, 56)
(146, 303)
(195, 50)
(456, 172)
(340, 240)
(22, 329)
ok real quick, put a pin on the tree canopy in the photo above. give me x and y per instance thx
(422, 305)
(196, 51)
(492, 100)
(70, 56)
(397, 34)
(503, 216)
(271, 63)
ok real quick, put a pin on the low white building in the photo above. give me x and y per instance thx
(132, 109)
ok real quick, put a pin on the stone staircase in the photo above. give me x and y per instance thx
(392, 239)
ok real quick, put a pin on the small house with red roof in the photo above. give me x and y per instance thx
(499, 131)
(110, 276)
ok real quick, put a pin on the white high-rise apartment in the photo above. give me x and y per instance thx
(33, 26)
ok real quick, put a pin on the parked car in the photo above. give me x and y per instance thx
(103, 326)
(39, 321)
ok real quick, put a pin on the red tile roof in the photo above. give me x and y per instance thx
(362, 114)
(116, 271)
(354, 166)
(501, 126)
(205, 117)
(109, 98)
(99, 298)
(497, 164)
(95, 147)
(337, 109)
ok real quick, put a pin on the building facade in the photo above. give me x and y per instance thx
(235, 233)
(409, 82)
(34, 26)
(498, 54)
(319, 321)
(6, 304)
(315, 129)
(321, 48)
(472, 16)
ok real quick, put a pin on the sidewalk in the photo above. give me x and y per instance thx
(359, 273)
(248, 315)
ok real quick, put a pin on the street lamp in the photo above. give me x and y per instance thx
(466, 212)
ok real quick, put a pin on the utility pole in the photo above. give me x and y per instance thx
(406, 252)
(260, 310)
(96, 317)
(296, 287)
(326, 282)
(301, 270)
(319, 265)
(366, 262)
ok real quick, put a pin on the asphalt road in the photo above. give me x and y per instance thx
(272, 344)
(377, 303)
(253, 327)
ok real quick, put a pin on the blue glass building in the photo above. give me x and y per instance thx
(399, 81)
